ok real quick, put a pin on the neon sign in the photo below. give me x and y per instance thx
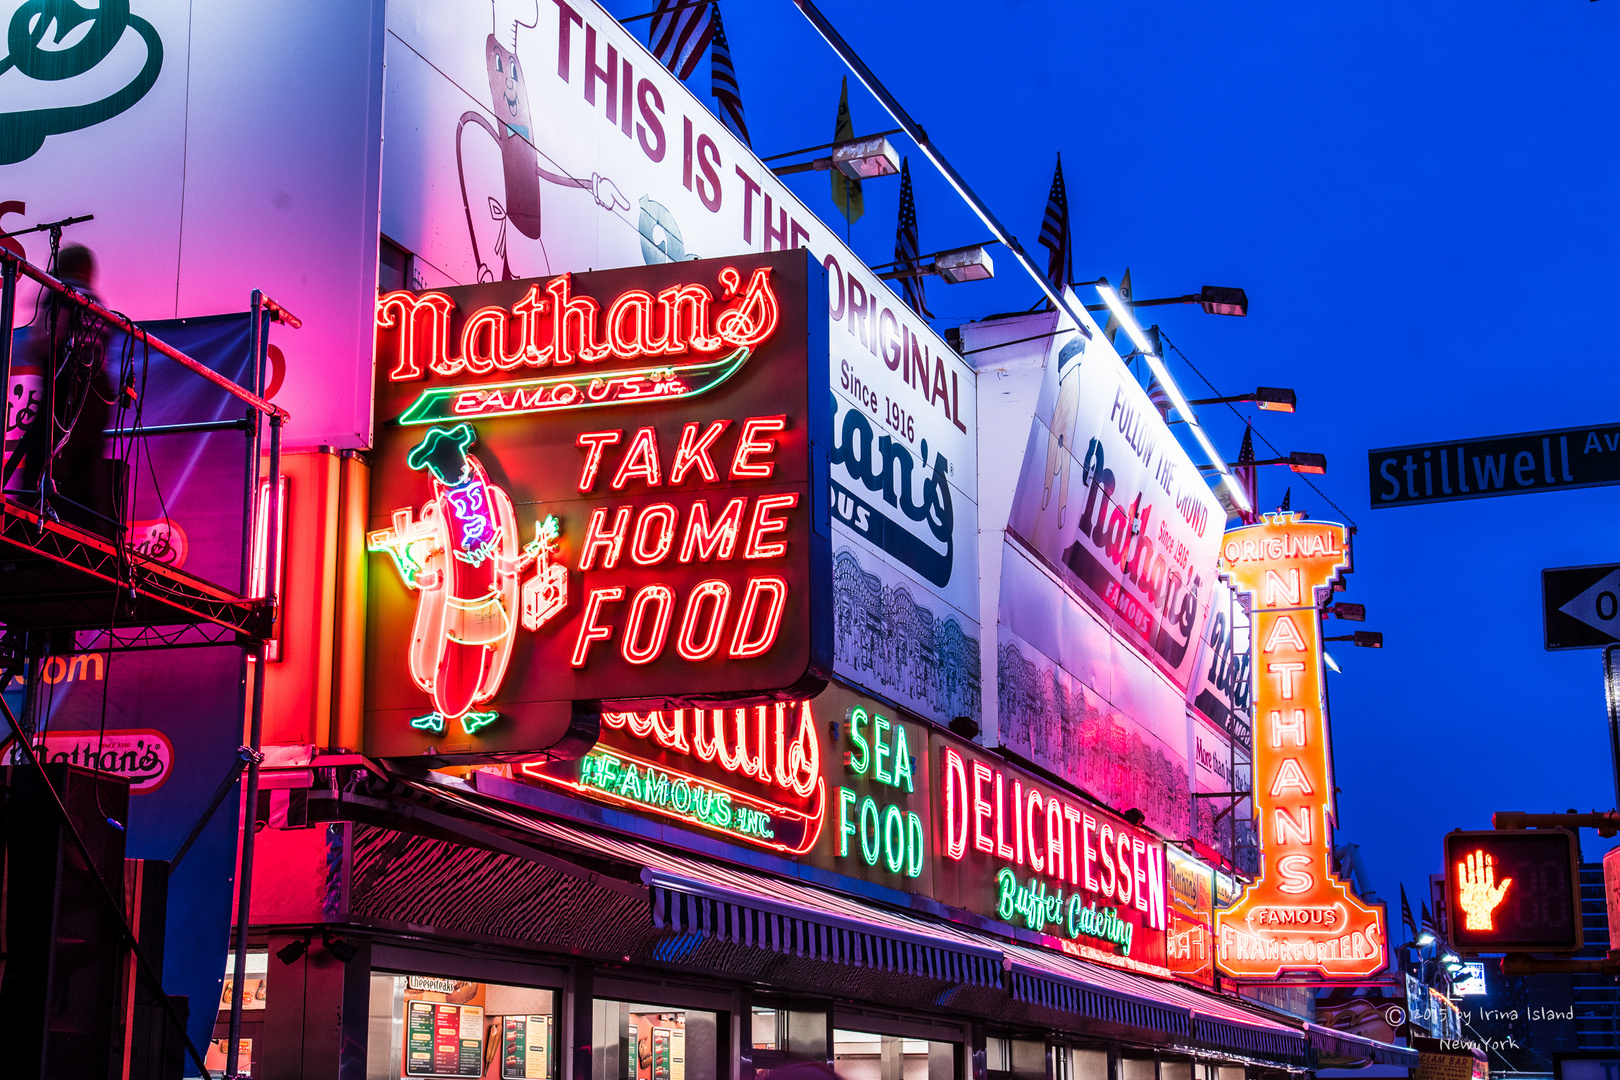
(1297, 915)
(646, 536)
(885, 834)
(1479, 894)
(750, 774)
(1026, 853)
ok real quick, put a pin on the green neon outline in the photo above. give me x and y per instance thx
(421, 411)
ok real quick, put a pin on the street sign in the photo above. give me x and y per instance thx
(1502, 465)
(1514, 890)
(1580, 606)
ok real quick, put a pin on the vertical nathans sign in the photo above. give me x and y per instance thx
(1015, 849)
(595, 488)
(1298, 916)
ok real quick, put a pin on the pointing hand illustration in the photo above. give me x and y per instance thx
(1478, 892)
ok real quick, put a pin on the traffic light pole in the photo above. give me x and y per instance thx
(1611, 693)
(1607, 823)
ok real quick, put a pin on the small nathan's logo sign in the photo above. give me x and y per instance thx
(142, 756)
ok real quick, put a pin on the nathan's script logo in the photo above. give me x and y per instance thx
(463, 558)
(36, 43)
(886, 472)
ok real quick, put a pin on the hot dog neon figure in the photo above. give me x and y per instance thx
(462, 558)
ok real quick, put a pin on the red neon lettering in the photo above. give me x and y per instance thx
(664, 598)
(484, 344)
(418, 344)
(593, 442)
(1054, 838)
(764, 525)
(687, 643)
(694, 451)
(718, 542)
(956, 818)
(693, 301)
(1124, 879)
(745, 646)
(610, 541)
(589, 632)
(529, 309)
(1287, 671)
(742, 465)
(1291, 777)
(755, 318)
(981, 807)
(1296, 874)
(1088, 852)
(1139, 873)
(573, 325)
(1072, 816)
(640, 461)
(1003, 849)
(1018, 821)
(1105, 851)
(629, 325)
(1034, 811)
(660, 516)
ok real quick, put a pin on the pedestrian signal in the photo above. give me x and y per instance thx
(1514, 890)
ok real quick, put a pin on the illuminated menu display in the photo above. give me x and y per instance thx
(596, 488)
(1297, 915)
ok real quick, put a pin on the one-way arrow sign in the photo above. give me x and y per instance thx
(1580, 606)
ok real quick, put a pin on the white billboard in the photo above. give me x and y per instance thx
(221, 148)
(519, 145)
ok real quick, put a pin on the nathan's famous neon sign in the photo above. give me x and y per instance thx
(1298, 915)
(693, 345)
(763, 765)
(1115, 874)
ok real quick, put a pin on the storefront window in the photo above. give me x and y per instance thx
(770, 1028)
(427, 1026)
(861, 1055)
(653, 1042)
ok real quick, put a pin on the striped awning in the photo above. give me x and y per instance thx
(1348, 1045)
(877, 940)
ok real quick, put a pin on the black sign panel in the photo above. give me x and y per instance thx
(1580, 606)
(1503, 465)
(1514, 890)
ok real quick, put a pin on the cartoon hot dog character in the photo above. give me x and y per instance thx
(462, 558)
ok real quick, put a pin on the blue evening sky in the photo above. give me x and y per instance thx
(1419, 200)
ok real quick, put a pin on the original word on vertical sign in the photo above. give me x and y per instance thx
(593, 492)
(1297, 916)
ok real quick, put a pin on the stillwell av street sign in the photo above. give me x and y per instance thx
(1502, 465)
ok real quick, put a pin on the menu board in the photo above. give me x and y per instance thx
(525, 1047)
(677, 1054)
(443, 1039)
(660, 1048)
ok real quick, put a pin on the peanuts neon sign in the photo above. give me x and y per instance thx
(1297, 915)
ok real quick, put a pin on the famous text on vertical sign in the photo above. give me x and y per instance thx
(1298, 915)
(595, 489)
(562, 144)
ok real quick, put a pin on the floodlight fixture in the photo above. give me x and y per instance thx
(1214, 299)
(1300, 461)
(1270, 398)
(865, 158)
(954, 266)
(1362, 639)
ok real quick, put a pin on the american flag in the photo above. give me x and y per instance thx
(1245, 474)
(1287, 503)
(681, 30)
(1159, 396)
(905, 243)
(1055, 232)
(723, 83)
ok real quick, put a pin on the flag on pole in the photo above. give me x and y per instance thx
(846, 191)
(1055, 232)
(1159, 396)
(680, 31)
(1245, 474)
(905, 244)
(1113, 326)
(723, 83)
(1406, 916)
(1286, 502)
